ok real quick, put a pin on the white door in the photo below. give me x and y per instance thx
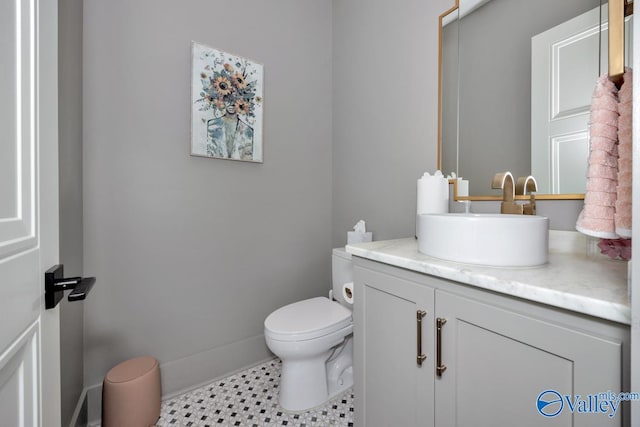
(564, 70)
(29, 336)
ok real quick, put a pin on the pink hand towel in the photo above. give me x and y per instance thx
(601, 185)
(600, 198)
(604, 130)
(599, 171)
(623, 203)
(602, 97)
(606, 117)
(597, 216)
(604, 144)
(603, 158)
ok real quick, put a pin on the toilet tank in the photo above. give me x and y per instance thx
(342, 272)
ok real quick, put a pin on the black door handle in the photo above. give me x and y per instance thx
(55, 284)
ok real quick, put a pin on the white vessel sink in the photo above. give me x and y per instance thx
(496, 240)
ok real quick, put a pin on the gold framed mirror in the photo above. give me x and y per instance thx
(506, 55)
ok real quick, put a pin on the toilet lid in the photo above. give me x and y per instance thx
(307, 319)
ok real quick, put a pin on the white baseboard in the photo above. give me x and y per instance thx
(218, 378)
(94, 405)
(76, 412)
(191, 372)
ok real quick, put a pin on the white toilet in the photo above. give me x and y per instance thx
(314, 340)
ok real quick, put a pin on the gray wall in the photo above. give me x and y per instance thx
(385, 73)
(192, 254)
(495, 84)
(385, 112)
(70, 194)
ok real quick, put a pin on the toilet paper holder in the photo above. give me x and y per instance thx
(55, 284)
(347, 292)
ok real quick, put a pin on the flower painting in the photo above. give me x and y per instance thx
(226, 105)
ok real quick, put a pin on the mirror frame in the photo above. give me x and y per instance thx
(616, 57)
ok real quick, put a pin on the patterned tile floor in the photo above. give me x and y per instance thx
(250, 398)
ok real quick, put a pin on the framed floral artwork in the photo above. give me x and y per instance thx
(226, 105)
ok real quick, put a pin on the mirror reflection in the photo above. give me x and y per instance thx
(517, 79)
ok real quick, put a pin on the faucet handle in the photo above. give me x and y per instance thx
(526, 185)
(499, 179)
(505, 181)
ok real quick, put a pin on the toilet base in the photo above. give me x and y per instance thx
(309, 383)
(339, 368)
(303, 384)
(310, 402)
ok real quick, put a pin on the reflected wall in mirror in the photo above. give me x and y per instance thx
(506, 104)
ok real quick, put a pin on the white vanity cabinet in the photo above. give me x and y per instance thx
(500, 354)
(391, 387)
(499, 360)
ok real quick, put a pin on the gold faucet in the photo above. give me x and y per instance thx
(504, 181)
(526, 185)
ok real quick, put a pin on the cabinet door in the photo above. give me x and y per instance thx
(499, 362)
(391, 388)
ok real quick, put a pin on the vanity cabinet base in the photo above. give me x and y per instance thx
(498, 354)
(392, 388)
(499, 362)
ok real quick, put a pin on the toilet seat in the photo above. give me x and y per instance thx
(308, 319)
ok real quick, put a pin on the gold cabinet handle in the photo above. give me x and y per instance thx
(440, 368)
(421, 357)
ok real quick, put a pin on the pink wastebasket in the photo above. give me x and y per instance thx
(131, 394)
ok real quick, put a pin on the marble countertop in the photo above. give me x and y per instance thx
(592, 285)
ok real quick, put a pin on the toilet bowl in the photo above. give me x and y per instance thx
(314, 340)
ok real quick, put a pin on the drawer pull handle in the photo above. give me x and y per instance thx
(440, 368)
(421, 357)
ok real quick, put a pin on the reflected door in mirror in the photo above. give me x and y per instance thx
(564, 68)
